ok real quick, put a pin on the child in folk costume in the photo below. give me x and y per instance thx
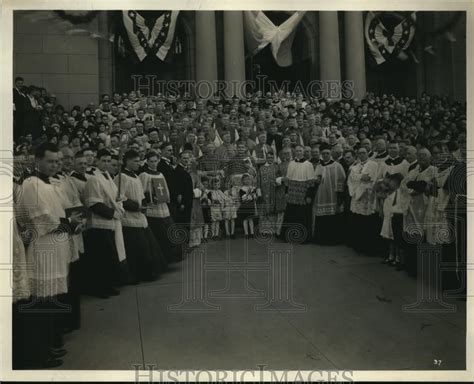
(230, 210)
(144, 255)
(217, 198)
(157, 198)
(206, 207)
(392, 204)
(248, 204)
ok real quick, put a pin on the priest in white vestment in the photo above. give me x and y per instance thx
(329, 199)
(361, 181)
(48, 255)
(299, 183)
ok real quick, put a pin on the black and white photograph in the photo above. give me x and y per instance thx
(271, 191)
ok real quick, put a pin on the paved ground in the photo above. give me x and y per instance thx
(340, 310)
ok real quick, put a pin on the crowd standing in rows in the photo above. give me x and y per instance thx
(111, 194)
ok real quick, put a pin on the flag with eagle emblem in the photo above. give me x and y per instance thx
(384, 41)
(147, 39)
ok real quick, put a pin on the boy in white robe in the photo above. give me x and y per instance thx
(101, 258)
(144, 256)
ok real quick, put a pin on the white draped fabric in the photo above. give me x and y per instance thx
(260, 31)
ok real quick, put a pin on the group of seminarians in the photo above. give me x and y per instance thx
(82, 228)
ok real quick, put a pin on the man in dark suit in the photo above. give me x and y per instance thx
(19, 100)
(32, 113)
(165, 167)
(183, 190)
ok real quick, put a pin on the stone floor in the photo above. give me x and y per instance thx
(301, 307)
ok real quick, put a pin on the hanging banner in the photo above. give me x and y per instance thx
(146, 41)
(260, 31)
(384, 41)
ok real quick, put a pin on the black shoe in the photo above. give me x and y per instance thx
(232, 237)
(52, 363)
(386, 261)
(55, 353)
(399, 266)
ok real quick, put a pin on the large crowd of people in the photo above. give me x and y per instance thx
(111, 194)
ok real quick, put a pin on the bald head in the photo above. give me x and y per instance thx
(424, 157)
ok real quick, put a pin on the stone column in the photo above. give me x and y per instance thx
(206, 54)
(106, 66)
(234, 53)
(330, 65)
(355, 53)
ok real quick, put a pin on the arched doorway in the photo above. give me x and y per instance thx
(178, 65)
(263, 63)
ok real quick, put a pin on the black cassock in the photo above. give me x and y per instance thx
(183, 186)
(167, 170)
